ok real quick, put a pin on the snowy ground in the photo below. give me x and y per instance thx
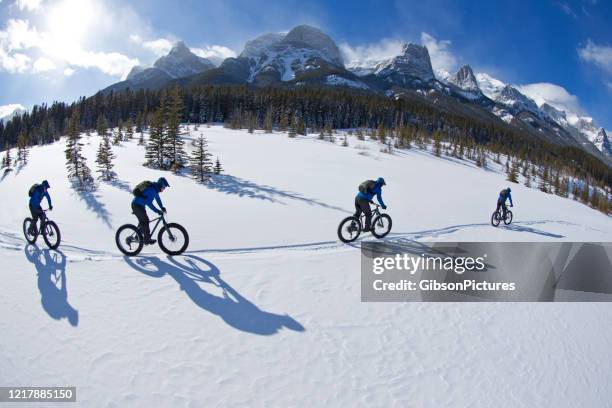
(264, 309)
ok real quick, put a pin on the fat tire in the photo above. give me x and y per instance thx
(508, 218)
(375, 220)
(119, 243)
(495, 219)
(344, 221)
(53, 225)
(26, 223)
(165, 228)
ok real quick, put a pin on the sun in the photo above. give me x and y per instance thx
(69, 22)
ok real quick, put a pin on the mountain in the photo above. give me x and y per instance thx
(306, 56)
(603, 142)
(8, 112)
(412, 65)
(180, 62)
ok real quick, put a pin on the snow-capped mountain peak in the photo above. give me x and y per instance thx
(602, 142)
(259, 46)
(181, 62)
(511, 97)
(413, 61)
(8, 112)
(304, 36)
(465, 79)
(489, 86)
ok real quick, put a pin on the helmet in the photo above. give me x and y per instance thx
(381, 181)
(509, 189)
(162, 182)
(45, 184)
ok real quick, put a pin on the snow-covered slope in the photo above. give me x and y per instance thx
(7, 112)
(264, 309)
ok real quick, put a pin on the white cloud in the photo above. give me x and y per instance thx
(159, 47)
(600, 55)
(215, 53)
(554, 95)
(20, 43)
(68, 72)
(29, 5)
(43, 64)
(441, 57)
(369, 55)
(566, 8)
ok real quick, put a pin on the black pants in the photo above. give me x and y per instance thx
(37, 213)
(502, 204)
(363, 206)
(143, 220)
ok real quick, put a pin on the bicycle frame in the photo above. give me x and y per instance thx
(159, 219)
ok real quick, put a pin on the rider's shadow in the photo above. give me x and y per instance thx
(51, 269)
(195, 273)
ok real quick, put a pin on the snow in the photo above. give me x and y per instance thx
(336, 80)
(7, 112)
(264, 309)
(489, 86)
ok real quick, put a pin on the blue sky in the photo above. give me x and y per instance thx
(62, 49)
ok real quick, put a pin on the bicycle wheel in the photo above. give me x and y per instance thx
(495, 219)
(129, 240)
(349, 229)
(51, 234)
(173, 239)
(381, 225)
(27, 223)
(508, 218)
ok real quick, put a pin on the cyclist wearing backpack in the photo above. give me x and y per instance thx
(37, 192)
(501, 200)
(367, 190)
(145, 193)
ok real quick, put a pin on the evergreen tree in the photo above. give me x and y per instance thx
(345, 141)
(360, 134)
(269, 121)
(199, 162)
(101, 126)
(7, 161)
(382, 132)
(22, 149)
(76, 163)
(155, 151)
(544, 181)
(438, 144)
(218, 168)
(527, 181)
(104, 159)
(129, 129)
(585, 193)
(175, 151)
(513, 174)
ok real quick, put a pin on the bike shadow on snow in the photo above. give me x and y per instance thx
(232, 185)
(520, 228)
(51, 270)
(193, 272)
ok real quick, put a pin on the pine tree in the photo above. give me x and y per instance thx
(269, 120)
(76, 163)
(544, 181)
(585, 193)
(513, 174)
(218, 168)
(155, 151)
(293, 127)
(527, 181)
(360, 134)
(104, 159)
(129, 129)
(22, 148)
(438, 144)
(345, 141)
(175, 151)
(101, 126)
(7, 161)
(199, 162)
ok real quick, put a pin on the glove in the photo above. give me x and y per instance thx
(163, 209)
(384, 207)
(511, 205)
(51, 207)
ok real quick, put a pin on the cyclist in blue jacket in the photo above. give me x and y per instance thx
(145, 199)
(501, 200)
(367, 191)
(37, 193)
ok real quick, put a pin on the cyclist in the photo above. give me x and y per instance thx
(37, 193)
(501, 200)
(367, 190)
(145, 193)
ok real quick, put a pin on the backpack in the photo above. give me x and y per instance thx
(503, 193)
(139, 190)
(32, 189)
(367, 186)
